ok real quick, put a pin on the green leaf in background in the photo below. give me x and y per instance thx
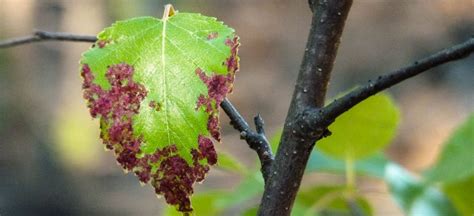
(251, 186)
(156, 85)
(251, 211)
(296, 210)
(330, 200)
(229, 163)
(456, 161)
(363, 130)
(372, 166)
(461, 195)
(413, 196)
(203, 204)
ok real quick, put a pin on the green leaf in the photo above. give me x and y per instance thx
(156, 85)
(250, 187)
(296, 210)
(363, 130)
(319, 161)
(275, 140)
(461, 195)
(330, 200)
(372, 166)
(413, 196)
(456, 161)
(203, 204)
(251, 211)
(229, 163)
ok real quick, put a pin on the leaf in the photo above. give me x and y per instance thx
(414, 197)
(296, 210)
(251, 186)
(456, 161)
(461, 195)
(229, 163)
(275, 140)
(319, 161)
(363, 130)
(251, 211)
(330, 200)
(156, 85)
(204, 204)
(372, 166)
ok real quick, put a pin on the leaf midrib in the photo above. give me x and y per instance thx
(163, 68)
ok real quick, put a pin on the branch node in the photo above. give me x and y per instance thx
(256, 140)
(326, 133)
(243, 135)
(259, 124)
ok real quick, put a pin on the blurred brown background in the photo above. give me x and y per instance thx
(52, 162)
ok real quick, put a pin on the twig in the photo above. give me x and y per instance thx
(39, 36)
(256, 140)
(324, 117)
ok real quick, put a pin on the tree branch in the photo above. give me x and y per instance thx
(296, 142)
(39, 36)
(256, 140)
(341, 105)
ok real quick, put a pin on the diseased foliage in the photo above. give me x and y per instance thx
(156, 85)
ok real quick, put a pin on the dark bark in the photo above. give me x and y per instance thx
(297, 142)
(39, 36)
(255, 139)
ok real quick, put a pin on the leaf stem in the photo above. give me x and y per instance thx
(350, 175)
(168, 12)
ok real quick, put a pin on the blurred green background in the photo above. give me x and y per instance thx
(52, 161)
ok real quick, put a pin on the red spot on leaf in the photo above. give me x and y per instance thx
(232, 62)
(102, 43)
(217, 88)
(213, 127)
(175, 177)
(206, 149)
(116, 107)
(155, 105)
(212, 35)
(205, 102)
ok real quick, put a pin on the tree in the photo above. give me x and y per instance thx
(308, 118)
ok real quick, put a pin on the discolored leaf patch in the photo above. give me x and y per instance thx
(156, 85)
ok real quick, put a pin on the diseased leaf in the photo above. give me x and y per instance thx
(456, 161)
(156, 85)
(363, 130)
(414, 197)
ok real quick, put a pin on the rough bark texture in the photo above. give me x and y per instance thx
(310, 91)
